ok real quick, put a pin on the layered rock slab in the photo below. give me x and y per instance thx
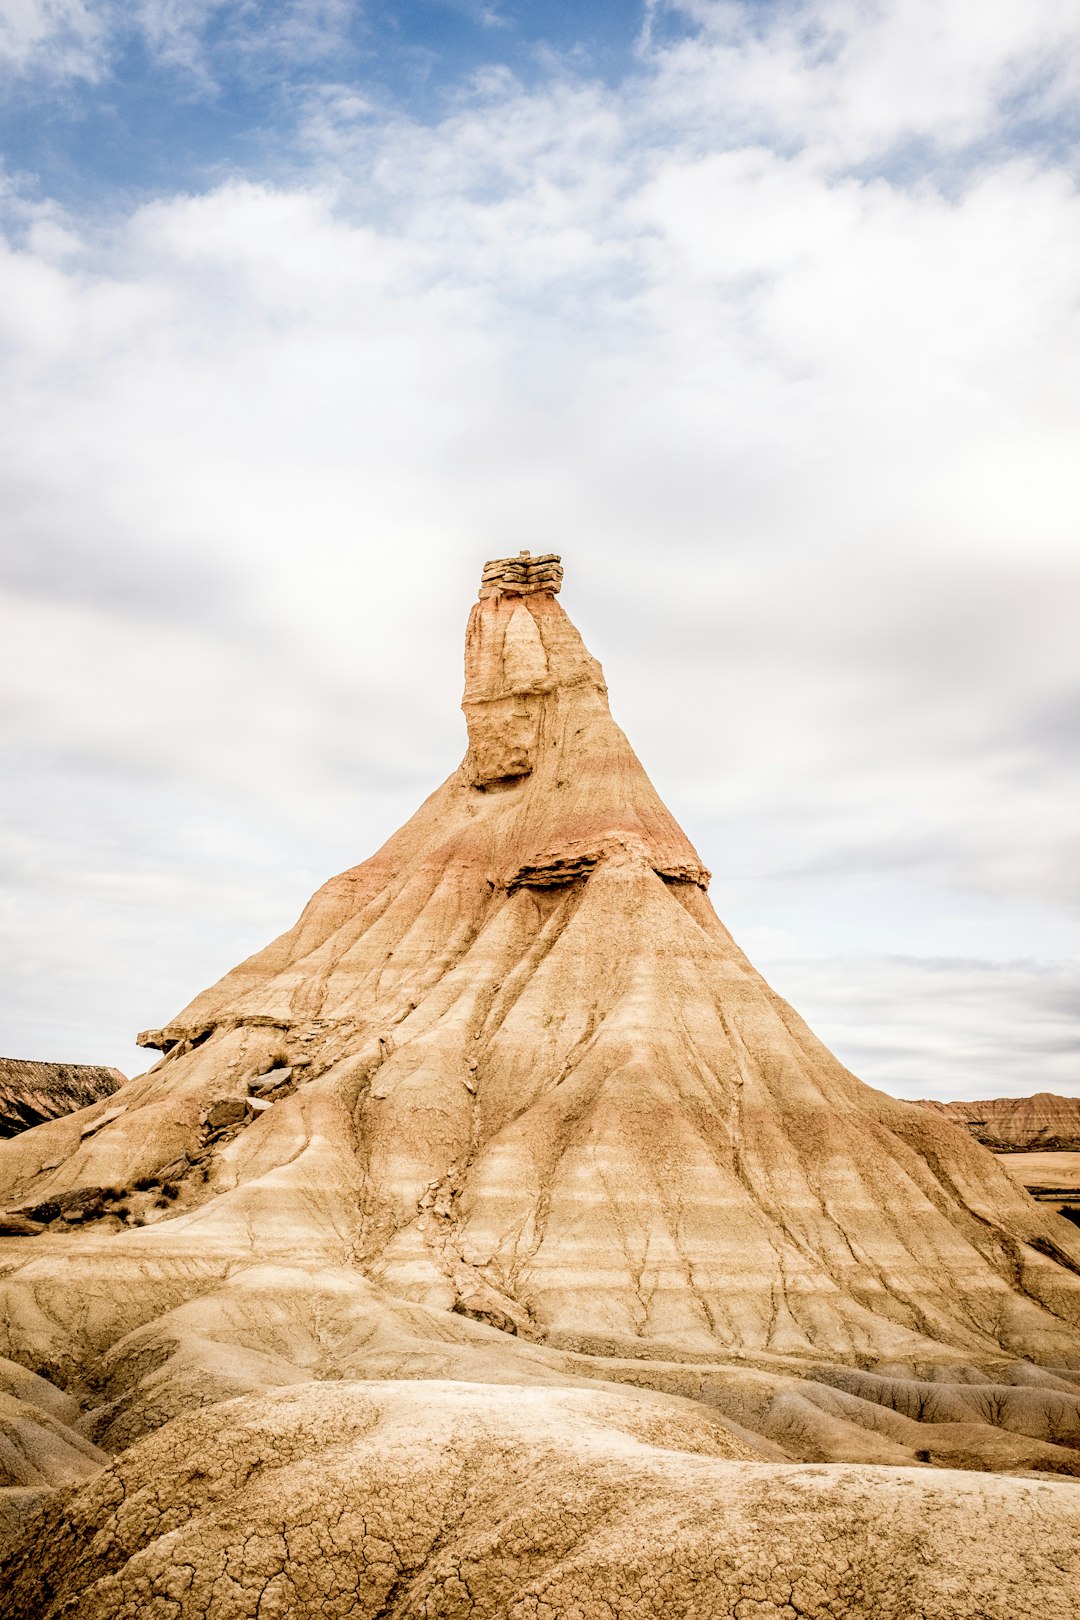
(1042, 1122)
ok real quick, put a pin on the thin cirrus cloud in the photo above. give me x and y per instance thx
(773, 336)
(73, 39)
(61, 38)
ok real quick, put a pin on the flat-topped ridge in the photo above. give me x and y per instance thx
(32, 1091)
(522, 575)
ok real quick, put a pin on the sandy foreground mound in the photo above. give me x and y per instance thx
(497, 1241)
(450, 1500)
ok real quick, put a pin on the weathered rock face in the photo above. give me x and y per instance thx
(32, 1092)
(1041, 1122)
(509, 1106)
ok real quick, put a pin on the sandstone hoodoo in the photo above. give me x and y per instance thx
(508, 1105)
(577, 1107)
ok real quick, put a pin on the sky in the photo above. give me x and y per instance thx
(764, 316)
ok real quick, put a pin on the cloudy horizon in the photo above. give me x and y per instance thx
(764, 316)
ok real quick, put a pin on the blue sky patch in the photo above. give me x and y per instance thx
(167, 111)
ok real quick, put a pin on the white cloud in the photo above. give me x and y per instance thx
(946, 1027)
(802, 427)
(198, 39)
(66, 38)
(851, 79)
(195, 36)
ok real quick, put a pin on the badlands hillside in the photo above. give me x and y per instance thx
(497, 1243)
(32, 1092)
(1042, 1123)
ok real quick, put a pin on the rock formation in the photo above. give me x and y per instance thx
(1041, 1123)
(508, 1107)
(33, 1092)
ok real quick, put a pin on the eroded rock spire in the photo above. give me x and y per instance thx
(529, 1074)
(504, 1121)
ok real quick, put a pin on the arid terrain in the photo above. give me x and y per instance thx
(496, 1242)
(1051, 1178)
(1043, 1122)
(1045, 1170)
(33, 1092)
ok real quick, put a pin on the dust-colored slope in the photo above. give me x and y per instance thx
(390, 1501)
(31, 1092)
(1042, 1121)
(41, 1447)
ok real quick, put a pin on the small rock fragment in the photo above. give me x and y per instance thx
(271, 1079)
(226, 1111)
(103, 1119)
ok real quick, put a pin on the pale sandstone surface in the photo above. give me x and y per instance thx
(508, 1107)
(388, 1501)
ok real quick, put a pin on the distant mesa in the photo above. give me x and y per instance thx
(32, 1092)
(1041, 1123)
